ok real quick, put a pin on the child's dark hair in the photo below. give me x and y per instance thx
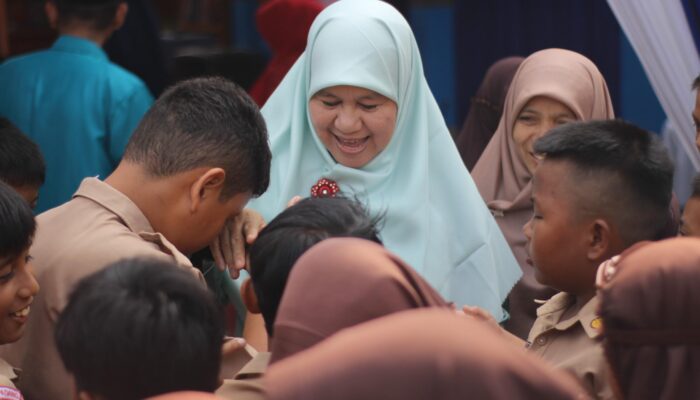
(98, 14)
(631, 167)
(205, 122)
(138, 328)
(294, 231)
(21, 162)
(17, 223)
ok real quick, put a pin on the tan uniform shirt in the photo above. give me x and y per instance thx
(98, 226)
(571, 344)
(247, 383)
(8, 378)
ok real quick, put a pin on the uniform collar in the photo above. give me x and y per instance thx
(116, 202)
(74, 44)
(587, 316)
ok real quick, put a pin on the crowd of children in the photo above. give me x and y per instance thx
(390, 281)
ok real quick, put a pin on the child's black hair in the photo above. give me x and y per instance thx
(139, 328)
(630, 166)
(294, 231)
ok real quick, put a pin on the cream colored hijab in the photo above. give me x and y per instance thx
(500, 174)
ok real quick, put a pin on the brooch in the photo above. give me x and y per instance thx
(324, 188)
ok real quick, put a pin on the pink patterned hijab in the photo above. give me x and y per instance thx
(502, 177)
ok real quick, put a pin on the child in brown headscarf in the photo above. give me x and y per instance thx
(648, 303)
(551, 87)
(485, 110)
(599, 188)
(418, 354)
(339, 283)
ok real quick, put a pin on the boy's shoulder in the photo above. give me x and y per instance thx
(556, 314)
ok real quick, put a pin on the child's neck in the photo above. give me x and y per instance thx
(583, 299)
(82, 32)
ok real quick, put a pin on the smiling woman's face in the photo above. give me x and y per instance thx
(354, 124)
(536, 118)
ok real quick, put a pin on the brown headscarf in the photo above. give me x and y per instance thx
(339, 283)
(651, 326)
(418, 354)
(186, 396)
(485, 110)
(500, 174)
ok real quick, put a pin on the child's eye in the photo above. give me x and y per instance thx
(6, 277)
(28, 258)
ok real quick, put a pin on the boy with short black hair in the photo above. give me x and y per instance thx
(690, 220)
(78, 107)
(276, 250)
(600, 187)
(139, 328)
(294, 231)
(17, 284)
(21, 163)
(196, 158)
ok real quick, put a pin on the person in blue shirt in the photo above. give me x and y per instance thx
(71, 100)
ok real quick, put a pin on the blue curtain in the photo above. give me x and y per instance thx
(486, 31)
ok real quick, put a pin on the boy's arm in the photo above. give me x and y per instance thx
(484, 316)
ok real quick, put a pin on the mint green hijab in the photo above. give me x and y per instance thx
(435, 218)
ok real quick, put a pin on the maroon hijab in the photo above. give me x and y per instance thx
(485, 110)
(418, 354)
(651, 324)
(339, 283)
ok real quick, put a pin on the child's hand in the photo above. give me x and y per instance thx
(229, 248)
(481, 315)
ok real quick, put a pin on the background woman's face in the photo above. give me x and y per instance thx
(354, 124)
(536, 118)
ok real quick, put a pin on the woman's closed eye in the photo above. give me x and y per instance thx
(368, 107)
(330, 103)
(527, 118)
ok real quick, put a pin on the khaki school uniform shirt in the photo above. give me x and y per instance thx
(8, 378)
(100, 225)
(571, 344)
(247, 383)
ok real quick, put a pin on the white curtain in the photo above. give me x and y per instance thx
(659, 33)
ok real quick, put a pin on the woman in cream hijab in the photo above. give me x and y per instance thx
(355, 115)
(550, 88)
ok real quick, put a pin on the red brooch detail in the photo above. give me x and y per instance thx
(324, 188)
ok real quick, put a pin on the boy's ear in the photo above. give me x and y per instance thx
(51, 14)
(599, 240)
(207, 186)
(120, 15)
(249, 298)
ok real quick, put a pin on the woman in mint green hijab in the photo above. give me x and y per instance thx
(355, 115)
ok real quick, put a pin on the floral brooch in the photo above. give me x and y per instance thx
(324, 188)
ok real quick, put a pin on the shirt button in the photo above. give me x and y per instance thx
(541, 341)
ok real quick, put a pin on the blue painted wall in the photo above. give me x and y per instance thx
(434, 32)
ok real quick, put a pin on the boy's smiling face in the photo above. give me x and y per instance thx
(17, 290)
(557, 236)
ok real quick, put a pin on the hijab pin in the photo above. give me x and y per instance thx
(324, 188)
